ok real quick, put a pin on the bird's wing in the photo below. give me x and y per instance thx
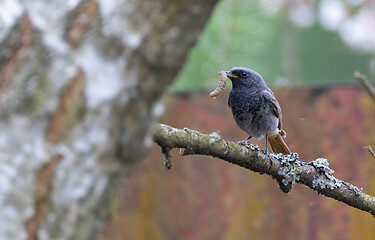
(273, 104)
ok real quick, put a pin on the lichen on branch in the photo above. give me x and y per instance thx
(285, 169)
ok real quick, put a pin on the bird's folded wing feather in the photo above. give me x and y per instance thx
(275, 107)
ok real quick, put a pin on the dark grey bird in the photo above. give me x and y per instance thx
(256, 109)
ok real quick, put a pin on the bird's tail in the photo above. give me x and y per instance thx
(278, 144)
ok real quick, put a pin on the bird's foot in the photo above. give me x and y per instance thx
(265, 151)
(245, 143)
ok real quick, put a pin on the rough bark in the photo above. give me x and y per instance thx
(80, 85)
(286, 169)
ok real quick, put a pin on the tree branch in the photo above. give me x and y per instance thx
(287, 170)
(366, 84)
(371, 151)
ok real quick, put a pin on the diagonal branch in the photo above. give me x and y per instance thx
(287, 170)
(366, 84)
(371, 151)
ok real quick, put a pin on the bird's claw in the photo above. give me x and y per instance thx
(245, 143)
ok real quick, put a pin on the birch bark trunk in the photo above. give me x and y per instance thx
(80, 85)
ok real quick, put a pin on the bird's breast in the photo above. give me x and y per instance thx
(252, 114)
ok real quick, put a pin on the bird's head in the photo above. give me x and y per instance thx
(241, 76)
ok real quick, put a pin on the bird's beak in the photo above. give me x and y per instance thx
(230, 75)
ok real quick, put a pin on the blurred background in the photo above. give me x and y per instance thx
(291, 43)
(82, 82)
(307, 52)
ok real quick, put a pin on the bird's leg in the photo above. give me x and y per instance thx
(244, 142)
(267, 156)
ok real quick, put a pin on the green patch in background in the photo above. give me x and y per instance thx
(240, 33)
(233, 37)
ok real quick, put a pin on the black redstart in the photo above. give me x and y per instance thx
(255, 108)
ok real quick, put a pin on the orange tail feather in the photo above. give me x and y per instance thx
(278, 145)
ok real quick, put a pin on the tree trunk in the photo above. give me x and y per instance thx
(80, 85)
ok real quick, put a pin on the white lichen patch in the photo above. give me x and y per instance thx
(290, 176)
(215, 136)
(169, 131)
(251, 146)
(322, 164)
(326, 180)
(254, 147)
(285, 160)
(357, 191)
(324, 177)
(287, 169)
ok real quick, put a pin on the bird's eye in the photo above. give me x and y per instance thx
(244, 74)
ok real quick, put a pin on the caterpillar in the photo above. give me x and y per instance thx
(221, 86)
